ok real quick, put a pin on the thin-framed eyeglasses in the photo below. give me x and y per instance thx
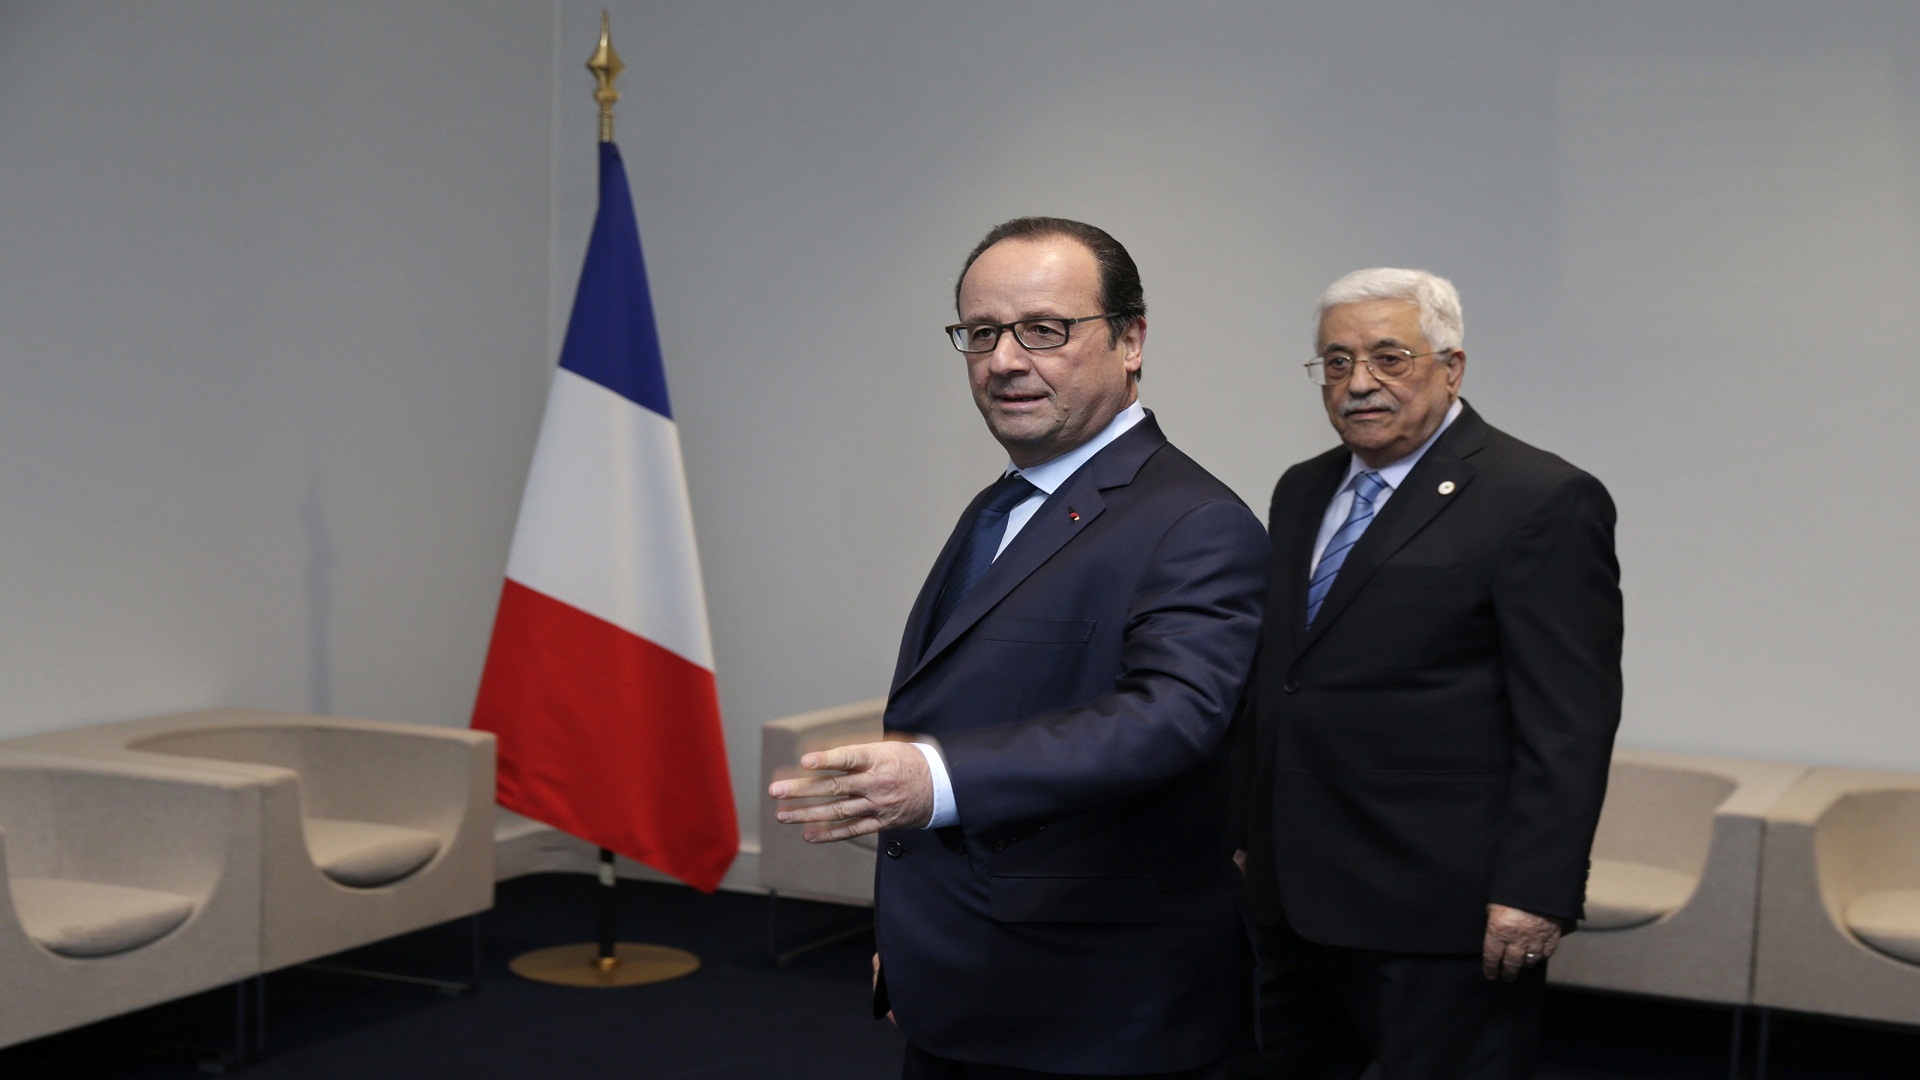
(1387, 365)
(1033, 334)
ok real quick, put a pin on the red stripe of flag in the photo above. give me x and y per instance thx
(576, 702)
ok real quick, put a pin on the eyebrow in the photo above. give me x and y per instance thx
(1383, 343)
(1038, 313)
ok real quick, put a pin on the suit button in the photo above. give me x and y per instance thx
(895, 849)
(1292, 686)
(999, 845)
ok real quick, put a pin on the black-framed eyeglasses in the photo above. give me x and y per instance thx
(1387, 365)
(1033, 334)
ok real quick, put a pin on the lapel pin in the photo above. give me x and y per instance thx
(1446, 487)
(1072, 514)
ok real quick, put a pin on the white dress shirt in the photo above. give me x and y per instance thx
(1047, 477)
(1392, 475)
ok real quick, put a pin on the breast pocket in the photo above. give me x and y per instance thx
(1038, 631)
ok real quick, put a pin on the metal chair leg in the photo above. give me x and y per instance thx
(259, 1016)
(783, 957)
(773, 923)
(249, 1042)
(242, 1035)
(445, 986)
(1733, 1054)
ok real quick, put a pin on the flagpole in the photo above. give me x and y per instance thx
(607, 962)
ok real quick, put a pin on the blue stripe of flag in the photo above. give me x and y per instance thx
(611, 337)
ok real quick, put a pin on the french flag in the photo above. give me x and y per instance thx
(599, 680)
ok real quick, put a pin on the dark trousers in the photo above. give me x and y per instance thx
(921, 1065)
(1327, 1012)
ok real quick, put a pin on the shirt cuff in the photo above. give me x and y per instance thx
(945, 813)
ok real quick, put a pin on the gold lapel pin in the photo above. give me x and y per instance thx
(1446, 487)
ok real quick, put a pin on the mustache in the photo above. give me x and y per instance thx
(1379, 399)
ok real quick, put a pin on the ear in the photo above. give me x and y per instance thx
(1132, 344)
(1456, 371)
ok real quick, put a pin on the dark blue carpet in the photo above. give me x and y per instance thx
(740, 1016)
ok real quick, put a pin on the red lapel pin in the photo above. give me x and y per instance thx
(1072, 514)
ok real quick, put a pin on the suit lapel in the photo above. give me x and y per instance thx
(1415, 503)
(1072, 507)
(1047, 532)
(915, 636)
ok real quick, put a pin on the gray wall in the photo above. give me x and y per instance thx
(272, 347)
(279, 288)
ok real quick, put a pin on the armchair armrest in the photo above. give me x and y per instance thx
(789, 864)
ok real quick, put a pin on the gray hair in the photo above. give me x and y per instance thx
(1435, 296)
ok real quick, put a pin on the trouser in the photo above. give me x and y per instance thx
(1327, 1012)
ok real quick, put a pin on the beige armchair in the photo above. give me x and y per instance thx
(1676, 872)
(789, 866)
(369, 829)
(122, 885)
(1840, 898)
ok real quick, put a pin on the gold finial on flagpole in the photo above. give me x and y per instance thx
(606, 67)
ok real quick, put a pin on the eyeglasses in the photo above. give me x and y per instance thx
(1033, 334)
(1387, 365)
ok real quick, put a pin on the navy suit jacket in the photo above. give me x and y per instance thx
(1085, 915)
(1439, 738)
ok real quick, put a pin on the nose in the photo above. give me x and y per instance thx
(1008, 356)
(1363, 381)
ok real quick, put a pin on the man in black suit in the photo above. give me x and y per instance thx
(1432, 711)
(1056, 892)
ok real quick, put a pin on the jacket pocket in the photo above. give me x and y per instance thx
(1074, 898)
(1038, 631)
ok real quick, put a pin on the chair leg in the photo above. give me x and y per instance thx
(1733, 1054)
(773, 924)
(445, 986)
(249, 1028)
(242, 1026)
(474, 958)
(783, 957)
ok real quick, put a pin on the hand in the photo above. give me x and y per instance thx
(1240, 860)
(876, 988)
(883, 785)
(1516, 939)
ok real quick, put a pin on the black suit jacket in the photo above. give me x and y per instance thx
(1085, 915)
(1439, 738)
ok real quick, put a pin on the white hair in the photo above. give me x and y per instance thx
(1435, 296)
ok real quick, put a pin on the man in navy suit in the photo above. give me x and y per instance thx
(1432, 711)
(1055, 893)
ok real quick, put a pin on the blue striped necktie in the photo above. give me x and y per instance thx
(1366, 487)
(981, 545)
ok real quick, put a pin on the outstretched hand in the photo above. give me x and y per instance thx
(1516, 939)
(871, 786)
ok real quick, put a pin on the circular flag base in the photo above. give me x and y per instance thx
(580, 965)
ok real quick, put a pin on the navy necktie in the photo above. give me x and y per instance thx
(980, 546)
(1366, 487)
